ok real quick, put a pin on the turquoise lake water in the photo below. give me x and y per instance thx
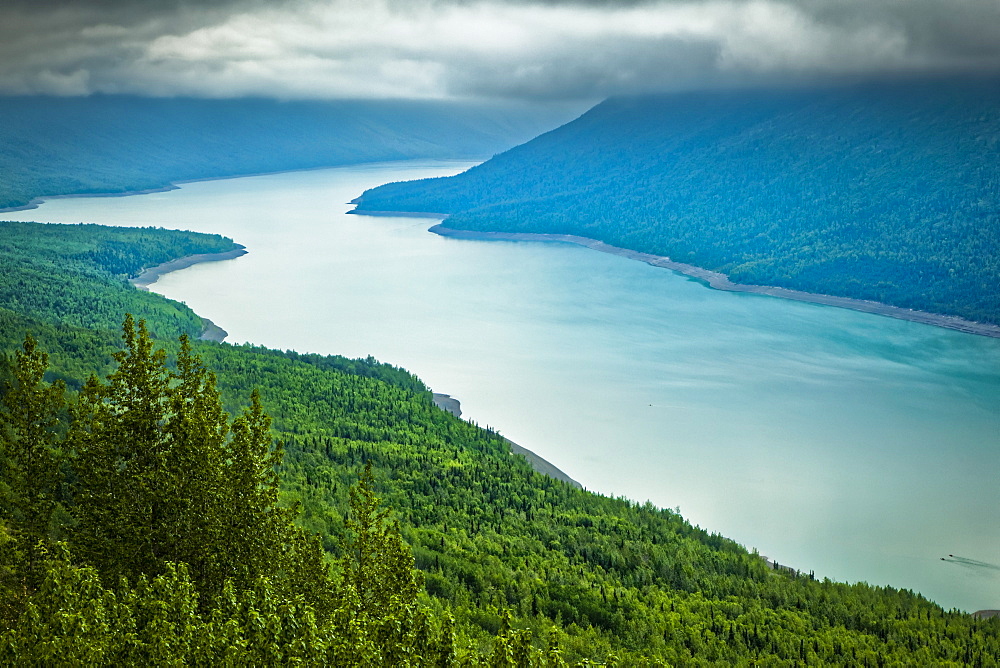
(857, 446)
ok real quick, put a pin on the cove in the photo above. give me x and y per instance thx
(853, 445)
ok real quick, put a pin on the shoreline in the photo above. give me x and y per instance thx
(396, 214)
(152, 274)
(35, 202)
(210, 331)
(450, 404)
(662, 262)
(720, 281)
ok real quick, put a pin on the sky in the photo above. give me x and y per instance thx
(535, 50)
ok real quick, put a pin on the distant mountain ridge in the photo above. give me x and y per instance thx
(113, 144)
(887, 191)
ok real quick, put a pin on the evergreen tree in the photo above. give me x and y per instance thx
(163, 477)
(380, 586)
(31, 433)
(122, 501)
(377, 564)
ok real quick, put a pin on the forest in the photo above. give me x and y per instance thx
(886, 191)
(116, 143)
(174, 501)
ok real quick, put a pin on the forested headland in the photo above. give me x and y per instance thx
(886, 191)
(108, 144)
(167, 500)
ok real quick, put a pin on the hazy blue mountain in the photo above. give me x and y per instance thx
(99, 144)
(887, 191)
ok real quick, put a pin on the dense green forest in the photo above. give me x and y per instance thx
(142, 523)
(53, 272)
(884, 191)
(114, 144)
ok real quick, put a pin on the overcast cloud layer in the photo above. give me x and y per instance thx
(490, 48)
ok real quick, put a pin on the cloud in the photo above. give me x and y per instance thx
(477, 48)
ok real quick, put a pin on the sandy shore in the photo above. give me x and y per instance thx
(210, 331)
(720, 281)
(448, 403)
(152, 274)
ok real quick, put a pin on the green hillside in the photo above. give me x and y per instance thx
(885, 191)
(138, 475)
(114, 144)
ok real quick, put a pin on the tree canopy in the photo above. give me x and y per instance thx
(482, 561)
(888, 191)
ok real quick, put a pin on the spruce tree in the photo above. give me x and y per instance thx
(162, 476)
(31, 434)
(123, 501)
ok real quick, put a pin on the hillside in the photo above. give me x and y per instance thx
(887, 191)
(114, 144)
(517, 569)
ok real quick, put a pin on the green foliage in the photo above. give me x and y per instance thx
(75, 620)
(162, 477)
(886, 192)
(179, 508)
(30, 443)
(53, 284)
(75, 275)
(518, 569)
(376, 564)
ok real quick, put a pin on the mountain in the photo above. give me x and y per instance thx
(114, 144)
(121, 475)
(886, 191)
(139, 523)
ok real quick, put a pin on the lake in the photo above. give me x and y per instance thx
(854, 445)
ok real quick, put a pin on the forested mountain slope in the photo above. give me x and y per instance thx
(532, 571)
(54, 273)
(113, 144)
(887, 191)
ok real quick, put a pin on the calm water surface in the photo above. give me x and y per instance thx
(858, 446)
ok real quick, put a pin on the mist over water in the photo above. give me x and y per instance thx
(857, 446)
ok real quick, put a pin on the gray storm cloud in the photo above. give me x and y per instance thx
(488, 48)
